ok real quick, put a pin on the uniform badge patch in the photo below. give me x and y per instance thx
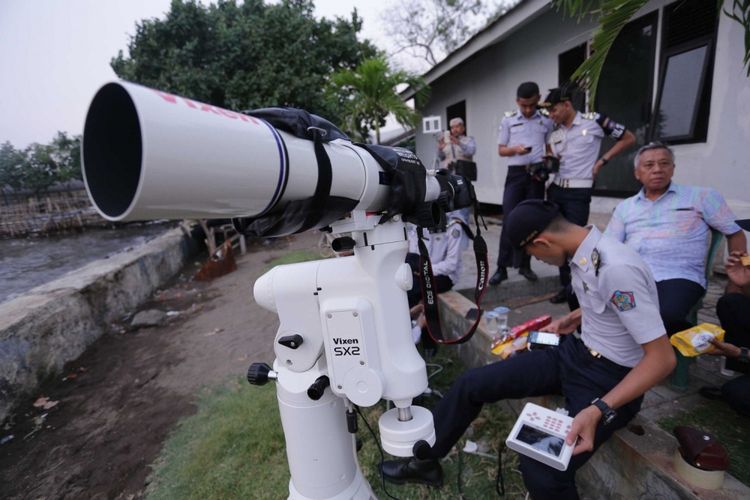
(456, 233)
(624, 301)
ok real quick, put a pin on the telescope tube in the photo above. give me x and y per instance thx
(148, 154)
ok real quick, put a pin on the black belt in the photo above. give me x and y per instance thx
(519, 166)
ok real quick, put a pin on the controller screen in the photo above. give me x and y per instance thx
(539, 440)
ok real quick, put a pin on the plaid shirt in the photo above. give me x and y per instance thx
(671, 233)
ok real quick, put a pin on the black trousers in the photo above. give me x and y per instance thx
(733, 310)
(574, 204)
(676, 298)
(569, 369)
(519, 186)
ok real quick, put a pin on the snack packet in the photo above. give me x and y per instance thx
(506, 347)
(695, 341)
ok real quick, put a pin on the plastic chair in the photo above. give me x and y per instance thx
(680, 376)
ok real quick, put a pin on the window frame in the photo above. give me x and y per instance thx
(666, 55)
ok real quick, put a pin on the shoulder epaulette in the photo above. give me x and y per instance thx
(544, 112)
(508, 114)
(591, 116)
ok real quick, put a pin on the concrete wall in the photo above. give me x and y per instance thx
(488, 81)
(54, 323)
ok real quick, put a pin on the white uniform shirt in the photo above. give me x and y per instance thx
(620, 304)
(578, 146)
(516, 129)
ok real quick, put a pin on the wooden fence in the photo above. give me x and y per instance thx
(59, 211)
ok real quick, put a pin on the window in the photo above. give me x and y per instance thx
(684, 96)
(567, 63)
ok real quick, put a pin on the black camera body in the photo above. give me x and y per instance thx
(542, 169)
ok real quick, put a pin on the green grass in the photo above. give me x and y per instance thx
(234, 448)
(731, 429)
(293, 257)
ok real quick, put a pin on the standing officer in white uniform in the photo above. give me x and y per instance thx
(522, 139)
(576, 141)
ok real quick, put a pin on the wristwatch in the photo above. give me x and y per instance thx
(603, 160)
(608, 414)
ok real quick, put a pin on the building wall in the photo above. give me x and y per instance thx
(488, 82)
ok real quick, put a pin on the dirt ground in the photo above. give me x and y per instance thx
(118, 402)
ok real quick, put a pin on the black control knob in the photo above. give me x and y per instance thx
(343, 244)
(260, 373)
(316, 390)
(291, 341)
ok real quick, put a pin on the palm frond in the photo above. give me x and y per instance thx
(613, 15)
(740, 12)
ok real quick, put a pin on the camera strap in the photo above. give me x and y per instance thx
(429, 292)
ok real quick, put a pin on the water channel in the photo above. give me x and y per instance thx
(30, 262)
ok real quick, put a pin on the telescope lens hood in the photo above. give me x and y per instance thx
(112, 150)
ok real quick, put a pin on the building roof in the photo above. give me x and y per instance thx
(495, 31)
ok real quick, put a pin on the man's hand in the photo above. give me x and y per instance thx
(737, 273)
(597, 166)
(724, 349)
(520, 149)
(562, 326)
(583, 429)
(415, 311)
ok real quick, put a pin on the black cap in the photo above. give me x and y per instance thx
(527, 90)
(555, 96)
(744, 224)
(528, 220)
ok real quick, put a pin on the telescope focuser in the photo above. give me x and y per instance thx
(260, 373)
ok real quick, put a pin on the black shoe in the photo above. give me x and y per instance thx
(560, 297)
(710, 392)
(411, 470)
(500, 275)
(527, 273)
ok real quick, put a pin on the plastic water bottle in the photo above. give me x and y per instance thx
(501, 313)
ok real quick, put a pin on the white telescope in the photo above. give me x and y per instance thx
(345, 335)
(152, 155)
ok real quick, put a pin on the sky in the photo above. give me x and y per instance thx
(55, 54)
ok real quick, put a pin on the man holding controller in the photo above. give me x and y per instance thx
(623, 351)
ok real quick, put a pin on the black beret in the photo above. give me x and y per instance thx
(528, 220)
(527, 90)
(555, 96)
(744, 224)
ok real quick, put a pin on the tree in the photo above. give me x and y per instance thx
(369, 93)
(613, 15)
(40, 166)
(247, 55)
(431, 29)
